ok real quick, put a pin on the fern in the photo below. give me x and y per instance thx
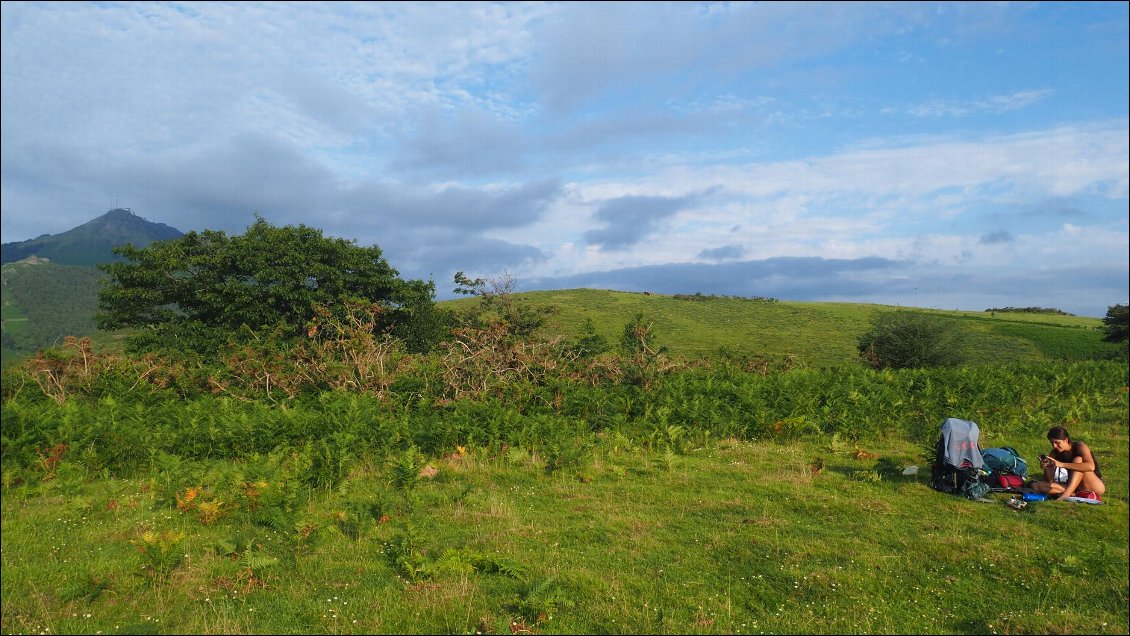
(835, 444)
(666, 461)
(404, 555)
(257, 561)
(161, 552)
(305, 537)
(273, 517)
(87, 588)
(406, 469)
(540, 600)
(886, 467)
(493, 565)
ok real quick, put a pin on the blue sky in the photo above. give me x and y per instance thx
(949, 155)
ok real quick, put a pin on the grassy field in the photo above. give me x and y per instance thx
(810, 333)
(815, 334)
(734, 537)
(565, 505)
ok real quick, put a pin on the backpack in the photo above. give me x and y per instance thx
(966, 482)
(958, 460)
(1004, 461)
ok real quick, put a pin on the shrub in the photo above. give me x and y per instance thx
(907, 340)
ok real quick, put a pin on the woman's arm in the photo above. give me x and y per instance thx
(1084, 462)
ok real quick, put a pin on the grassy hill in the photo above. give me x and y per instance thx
(813, 333)
(42, 302)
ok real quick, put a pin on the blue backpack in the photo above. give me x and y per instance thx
(1004, 461)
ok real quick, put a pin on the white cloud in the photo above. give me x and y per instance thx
(508, 127)
(994, 104)
(1056, 162)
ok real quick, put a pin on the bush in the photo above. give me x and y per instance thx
(909, 340)
(1116, 323)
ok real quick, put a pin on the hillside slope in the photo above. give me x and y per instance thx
(812, 333)
(44, 301)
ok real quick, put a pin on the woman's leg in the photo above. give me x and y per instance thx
(1084, 481)
(1073, 482)
(1048, 486)
(1090, 481)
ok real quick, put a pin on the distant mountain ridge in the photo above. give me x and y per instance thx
(50, 285)
(91, 243)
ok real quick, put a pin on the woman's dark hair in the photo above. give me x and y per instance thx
(1058, 433)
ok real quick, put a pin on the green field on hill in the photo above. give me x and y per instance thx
(812, 333)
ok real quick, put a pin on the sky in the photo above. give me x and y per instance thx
(942, 155)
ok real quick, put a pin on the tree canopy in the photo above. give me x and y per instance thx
(199, 290)
(1116, 323)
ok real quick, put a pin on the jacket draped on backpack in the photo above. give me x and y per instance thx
(958, 461)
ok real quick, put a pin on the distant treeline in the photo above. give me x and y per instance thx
(699, 296)
(1029, 310)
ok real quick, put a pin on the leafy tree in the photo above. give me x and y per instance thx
(196, 292)
(1116, 323)
(497, 297)
(906, 339)
(421, 324)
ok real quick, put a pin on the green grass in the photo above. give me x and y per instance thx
(810, 333)
(813, 334)
(733, 537)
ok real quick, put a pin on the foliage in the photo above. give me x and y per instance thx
(700, 297)
(43, 303)
(539, 600)
(418, 322)
(1028, 310)
(1116, 323)
(907, 340)
(590, 343)
(498, 302)
(1062, 343)
(621, 502)
(644, 361)
(161, 552)
(192, 292)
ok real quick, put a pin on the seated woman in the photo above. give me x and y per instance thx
(1070, 470)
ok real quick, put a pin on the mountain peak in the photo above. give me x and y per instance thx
(92, 242)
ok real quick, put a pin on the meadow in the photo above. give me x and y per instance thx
(504, 486)
(814, 334)
(732, 537)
